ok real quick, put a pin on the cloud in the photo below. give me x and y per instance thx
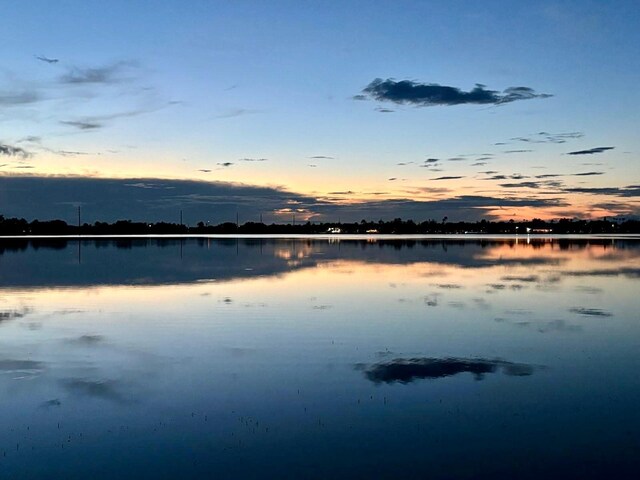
(447, 178)
(517, 151)
(148, 199)
(237, 112)
(591, 151)
(225, 164)
(13, 151)
(546, 137)
(42, 58)
(587, 174)
(19, 98)
(322, 157)
(629, 191)
(109, 74)
(99, 121)
(82, 125)
(408, 370)
(253, 159)
(431, 94)
(521, 185)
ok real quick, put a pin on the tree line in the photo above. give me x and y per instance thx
(20, 226)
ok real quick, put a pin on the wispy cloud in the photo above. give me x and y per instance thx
(546, 137)
(24, 97)
(109, 74)
(432, 94)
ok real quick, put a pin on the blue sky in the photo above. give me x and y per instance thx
(249, 92)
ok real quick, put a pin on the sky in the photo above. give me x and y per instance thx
(326, 111)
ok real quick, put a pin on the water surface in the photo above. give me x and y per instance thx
(316, 358)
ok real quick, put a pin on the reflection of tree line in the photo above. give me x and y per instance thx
(16, 226)
(22, 244)
(154, 261)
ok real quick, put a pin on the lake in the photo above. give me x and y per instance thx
(439, 358)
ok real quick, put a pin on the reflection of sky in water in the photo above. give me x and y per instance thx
(312, 359)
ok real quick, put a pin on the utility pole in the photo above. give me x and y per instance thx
(181, 218)
(260, 218)
(237, 220)
(79, 218)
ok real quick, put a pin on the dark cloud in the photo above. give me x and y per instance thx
(42, 58)
(347, 192)
(447, 178)
(225, 164)
(550, 175)
(517, 151)
(521, 185)
(384, 110)
(430, 94)
(13, 151)
(629, 191)
(321, 157)
(588, 174)
(432, 160)
(495, 177)
(145, 199)
(253, 159)
(204, 170)
(408, 370)
(591, 151)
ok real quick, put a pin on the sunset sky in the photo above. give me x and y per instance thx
(324, 109)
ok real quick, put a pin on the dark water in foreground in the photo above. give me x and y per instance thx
(316, 359)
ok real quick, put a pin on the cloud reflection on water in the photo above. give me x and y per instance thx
(403, 370)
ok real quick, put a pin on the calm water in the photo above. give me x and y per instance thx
(250, 358)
